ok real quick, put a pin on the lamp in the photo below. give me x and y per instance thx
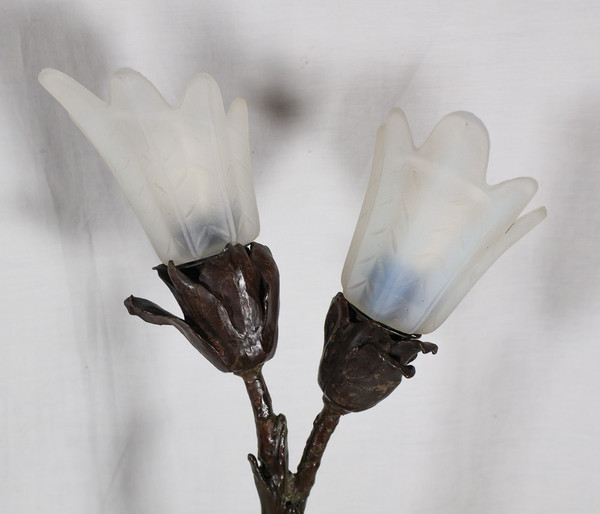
(429, 228)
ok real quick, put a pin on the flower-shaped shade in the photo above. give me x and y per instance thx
(430, 226)
(185, 170)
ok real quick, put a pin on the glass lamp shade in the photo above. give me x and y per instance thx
(430, 225)
(185, 170)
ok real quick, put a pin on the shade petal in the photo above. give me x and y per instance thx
(86, 110)
(519, 228)
(460, 145)
(381, 216)
(130, 90)
(239, 176)
(367, 206)
(202, 98)
(202, 112)
(476, 266)
(512, 196)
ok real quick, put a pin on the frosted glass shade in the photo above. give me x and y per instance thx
(430, 226)
(185, 170)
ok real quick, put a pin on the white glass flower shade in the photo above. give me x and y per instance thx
(430, 226)
(185, 170)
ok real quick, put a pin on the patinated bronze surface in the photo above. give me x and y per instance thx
(281, 491)
(230, 305)
(363, 361)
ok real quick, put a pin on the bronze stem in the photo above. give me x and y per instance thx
(323, 427)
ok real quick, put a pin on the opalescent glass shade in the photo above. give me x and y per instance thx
(185, 170)
(430, 226)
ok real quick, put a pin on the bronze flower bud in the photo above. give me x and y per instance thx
(363, 361)
(230, 304)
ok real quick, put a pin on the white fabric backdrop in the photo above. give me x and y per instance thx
(102, 413)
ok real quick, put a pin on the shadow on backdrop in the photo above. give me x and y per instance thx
(82, 194)
(365, 103)
(278, 92)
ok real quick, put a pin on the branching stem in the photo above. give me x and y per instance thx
(281, 491)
